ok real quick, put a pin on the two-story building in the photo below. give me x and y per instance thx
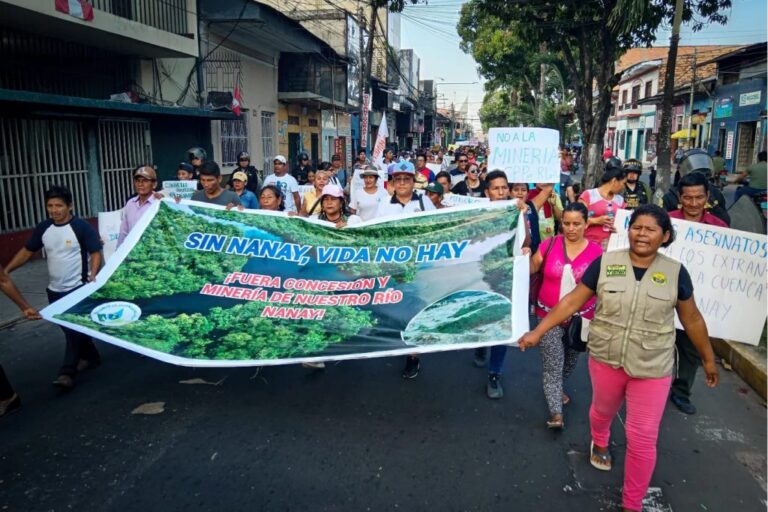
(84, 101)
(739, 112)
(635, 119)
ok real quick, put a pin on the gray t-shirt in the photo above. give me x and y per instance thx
(223, 199)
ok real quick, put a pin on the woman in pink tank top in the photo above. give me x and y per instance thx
(602, 203)
(563, 254)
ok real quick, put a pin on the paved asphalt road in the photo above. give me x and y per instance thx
(355, 437)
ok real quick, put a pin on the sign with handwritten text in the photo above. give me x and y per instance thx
(728, 270)
(527, 155)
(181, 189)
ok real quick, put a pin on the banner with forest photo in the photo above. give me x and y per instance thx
(197, 285)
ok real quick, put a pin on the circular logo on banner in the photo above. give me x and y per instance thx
(115, 314)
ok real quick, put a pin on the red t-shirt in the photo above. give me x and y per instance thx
(707, 218)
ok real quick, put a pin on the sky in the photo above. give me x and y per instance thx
(430, 30)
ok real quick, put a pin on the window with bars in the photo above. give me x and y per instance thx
(234, 139)
(267, 138)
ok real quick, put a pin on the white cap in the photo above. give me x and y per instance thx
(279, 158)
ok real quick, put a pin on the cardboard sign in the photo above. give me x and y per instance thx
(728, 270)
(527, 155)
(183, 189)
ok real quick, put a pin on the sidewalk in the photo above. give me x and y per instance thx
(31, 280)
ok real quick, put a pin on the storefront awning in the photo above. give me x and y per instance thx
(684, 134)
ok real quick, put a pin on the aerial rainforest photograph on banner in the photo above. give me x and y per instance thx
(200, 285)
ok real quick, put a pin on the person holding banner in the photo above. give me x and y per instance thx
(212, 192)
(694, 191)
(9, 400)
(498, 190)
(405, 200)
(271, 199)
(144, 181)
(334, 207)
(632, 342)
(603, 201)
(367, 200)
(73, 253)
(309, 203)
(563, 260)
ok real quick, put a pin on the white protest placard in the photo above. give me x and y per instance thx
(109, 231)
(181, 188)
(728, 270)
(527, 155)
(456, 200)
(357, 183)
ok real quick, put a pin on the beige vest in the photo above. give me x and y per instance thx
(634, 324)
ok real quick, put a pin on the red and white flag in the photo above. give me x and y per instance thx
(381, 141)
(78, 8)
(236, 101)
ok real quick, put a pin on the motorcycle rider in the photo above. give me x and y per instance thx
(697, 160)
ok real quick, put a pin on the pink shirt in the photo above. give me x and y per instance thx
(597, 207)
(707, 218)
(132, 212)
(549, 293)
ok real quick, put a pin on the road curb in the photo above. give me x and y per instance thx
(749, 365)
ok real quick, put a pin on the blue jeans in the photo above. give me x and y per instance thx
(496, 362)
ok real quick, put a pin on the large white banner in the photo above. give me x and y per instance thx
(527, 155)
(728, 270)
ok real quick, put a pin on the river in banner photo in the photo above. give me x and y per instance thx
(442, 302)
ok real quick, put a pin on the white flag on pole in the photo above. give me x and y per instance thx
(377, 157)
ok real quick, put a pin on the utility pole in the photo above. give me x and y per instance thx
(367, 60)
(453, 124)
(690, 106)
(664, 151)
(363, 86)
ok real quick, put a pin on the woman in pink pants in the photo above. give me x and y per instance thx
(632, 342)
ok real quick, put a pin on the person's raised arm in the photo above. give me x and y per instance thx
(570, 194)
(19, 259)
(9, 288)
(696, 329)
(564, 309)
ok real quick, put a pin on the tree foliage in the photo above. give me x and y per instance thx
(588, 36)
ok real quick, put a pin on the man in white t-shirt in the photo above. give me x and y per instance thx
(286, 183)
(73, 252)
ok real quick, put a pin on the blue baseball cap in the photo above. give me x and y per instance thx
(402, 167)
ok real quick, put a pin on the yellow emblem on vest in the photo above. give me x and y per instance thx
(615, 271)
(659, 278)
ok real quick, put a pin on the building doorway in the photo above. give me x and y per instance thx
(314, 144)
(294, 148)
(745, 146)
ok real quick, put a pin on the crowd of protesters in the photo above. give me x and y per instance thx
(630, 357)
